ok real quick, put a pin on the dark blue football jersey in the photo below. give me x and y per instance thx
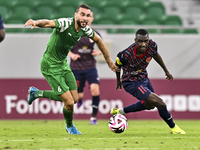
(84, 48)
(134, 67)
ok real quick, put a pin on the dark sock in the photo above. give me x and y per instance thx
(95, 105)
(166, 116)
(68, 115)
(49, 95)
(135, 107)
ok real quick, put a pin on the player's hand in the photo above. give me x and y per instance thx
(96, 52)
(30, 22)
(75, 56)
(113, 67)
(169, 76)
(119, 85)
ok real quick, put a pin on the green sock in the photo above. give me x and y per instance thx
(49, 95)
(68, 115)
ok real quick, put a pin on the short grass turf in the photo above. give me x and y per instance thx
(140, 135)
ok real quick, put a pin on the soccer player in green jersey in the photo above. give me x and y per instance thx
(54, 67)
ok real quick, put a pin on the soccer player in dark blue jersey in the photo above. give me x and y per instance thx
(83, 66)
(2, 30)
(133, 61)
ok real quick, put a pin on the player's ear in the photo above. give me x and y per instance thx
(75, 14)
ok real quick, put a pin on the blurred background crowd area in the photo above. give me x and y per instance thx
(160, 16)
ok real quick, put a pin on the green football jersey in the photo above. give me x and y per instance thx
(64, 37)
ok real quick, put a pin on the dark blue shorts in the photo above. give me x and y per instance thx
(139, 89)
(90, 75)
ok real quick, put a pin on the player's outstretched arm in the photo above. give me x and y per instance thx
(40, 23)
(160, 61)
(106, 55)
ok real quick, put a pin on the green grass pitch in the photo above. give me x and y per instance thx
(140, 135)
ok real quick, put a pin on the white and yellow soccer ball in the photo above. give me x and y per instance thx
(118, 123)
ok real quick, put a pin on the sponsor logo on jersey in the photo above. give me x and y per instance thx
(148, 59)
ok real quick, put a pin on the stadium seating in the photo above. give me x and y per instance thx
(143, 4)
(70, 3)
(121, 12)
(21, 12)
(150, 20)
(4, 11)
(8, 3)
(65, 11)
(121, 4)
(172, 20)
(25, 3)
(94, 3)
(44, 12)
(111, 13)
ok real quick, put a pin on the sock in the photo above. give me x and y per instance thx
(95, 105)
(68, 115)
(166, 116)
(49, 95)
(134, 107)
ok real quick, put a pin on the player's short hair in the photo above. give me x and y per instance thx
(141, 32)
(83, 6)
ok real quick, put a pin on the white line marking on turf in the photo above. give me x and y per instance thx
(105, 138)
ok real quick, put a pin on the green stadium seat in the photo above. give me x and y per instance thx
(71, 3)
(154, 31)
(94, 3)
(12, 30)
(22, 12)
(105, 22)
(138, 3)
(55, 4)
(156, 9)
(129, 31)
(44, 12)
(116, 3)
(111, 13)
(96, 14)
(8, 3)
(65, 12)
(128, 22)
(150, 20)
(128, 18)
(26, 3)
(5, 13)
(15, 20)
(172, 20)
(190, 31)
(133, 10)
(113, 31)
(45, 30)
(172, 31)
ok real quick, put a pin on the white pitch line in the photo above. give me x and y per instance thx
(105, 138)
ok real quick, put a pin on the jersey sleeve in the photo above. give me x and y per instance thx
(89, 32)
(1, 23)
(120, 59)
(154, 46)
(63, 23)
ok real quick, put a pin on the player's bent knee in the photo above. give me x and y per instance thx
(149, 106)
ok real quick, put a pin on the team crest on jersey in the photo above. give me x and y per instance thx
(148, 59)
(85, 47)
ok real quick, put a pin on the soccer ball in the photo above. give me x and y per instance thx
(118, 123)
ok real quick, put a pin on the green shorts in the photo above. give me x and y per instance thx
(59, 76)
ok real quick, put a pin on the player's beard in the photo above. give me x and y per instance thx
(79, 23)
